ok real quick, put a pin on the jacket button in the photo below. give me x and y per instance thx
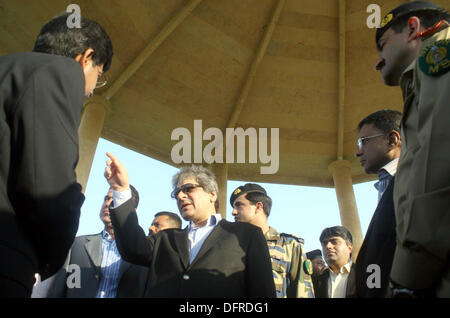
(186, 277)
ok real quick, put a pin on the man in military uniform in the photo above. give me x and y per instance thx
(413, 42)
(290, 267)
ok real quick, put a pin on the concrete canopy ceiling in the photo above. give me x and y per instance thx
(213, 65)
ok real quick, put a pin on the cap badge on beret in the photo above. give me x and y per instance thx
(236, 191)
(386, 20)
(307, 267)
(434, 59)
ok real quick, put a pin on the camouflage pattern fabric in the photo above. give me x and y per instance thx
(290, 268)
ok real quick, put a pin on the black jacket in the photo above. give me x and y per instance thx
(41, 98)
(233, 261)
(378, 248)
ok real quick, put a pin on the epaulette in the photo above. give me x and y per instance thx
(291, 236)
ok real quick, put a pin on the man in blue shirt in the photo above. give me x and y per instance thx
(102, 272)
(378, 149)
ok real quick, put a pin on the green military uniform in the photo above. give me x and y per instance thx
(290, 267)
(422, 185)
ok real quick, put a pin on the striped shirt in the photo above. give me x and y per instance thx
(385, 175)
(111, 261)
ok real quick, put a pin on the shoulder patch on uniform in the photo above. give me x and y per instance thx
(307, 267)
(434, 59)
(291, 236)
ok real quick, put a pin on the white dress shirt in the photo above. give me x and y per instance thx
(337, 283)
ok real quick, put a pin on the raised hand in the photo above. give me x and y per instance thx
(116, 174)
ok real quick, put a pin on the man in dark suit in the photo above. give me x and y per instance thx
(41, 98)
(102, 272)
(164, 220)
(338, 279)
(209, 258)
(379, 148)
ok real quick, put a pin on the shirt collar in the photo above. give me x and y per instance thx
(212, 221)
(343, 270)
(390, 167)
(347, 266)
(107, 236)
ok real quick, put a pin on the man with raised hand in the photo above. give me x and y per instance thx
(209, 258)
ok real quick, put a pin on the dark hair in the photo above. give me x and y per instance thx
(57, 38)
(427, 17)
(255, 197)
(134, 195)
(336, 231)
(202, 175)
(385, 120)
(173, 217)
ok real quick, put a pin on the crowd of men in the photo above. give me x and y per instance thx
(407, 242)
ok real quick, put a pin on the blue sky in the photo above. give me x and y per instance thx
(302, 211)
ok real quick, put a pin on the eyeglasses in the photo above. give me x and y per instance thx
(185, 188)
(107, 197)
(102, 80)
(364, 140)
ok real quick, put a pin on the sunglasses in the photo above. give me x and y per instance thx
(185, 188)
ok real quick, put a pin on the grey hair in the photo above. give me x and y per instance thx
(202, 175)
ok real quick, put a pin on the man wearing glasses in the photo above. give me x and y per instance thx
(378, 149)
(211, 257)
(41, 98)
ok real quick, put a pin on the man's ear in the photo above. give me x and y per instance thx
(85, 57)
(414, 27)
(213, 196)
(394, 138)
(260, 206)
(350, 246)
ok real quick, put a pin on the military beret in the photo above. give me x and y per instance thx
(406, 8)
(247, 188)
(313, 254)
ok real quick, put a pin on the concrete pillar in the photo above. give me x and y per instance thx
(221, 172)
(342, 177)
(91, 126)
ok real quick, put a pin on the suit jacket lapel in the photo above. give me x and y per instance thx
(210, 241)
(323, 284)
(350, 291)
(94, 250)
(124, 265)
(182, 244)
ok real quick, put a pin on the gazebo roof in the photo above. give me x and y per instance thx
(305, 67)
